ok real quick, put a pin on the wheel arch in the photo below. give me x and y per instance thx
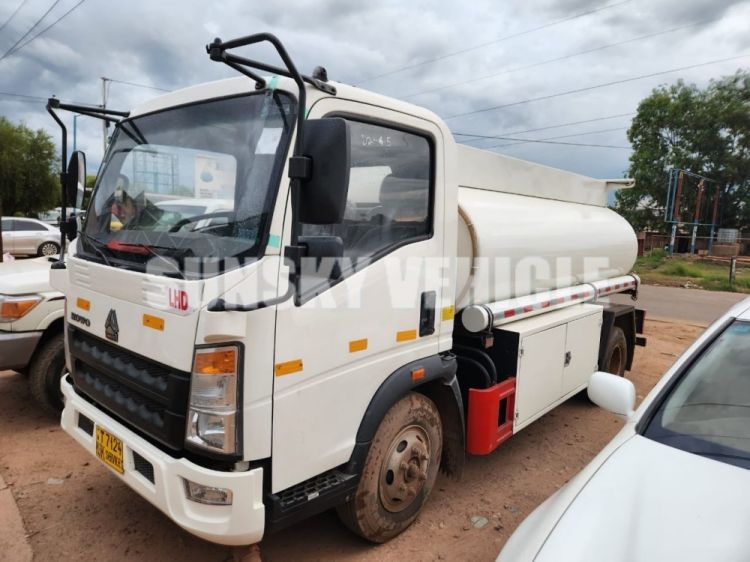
(55, 327)
(438, 382)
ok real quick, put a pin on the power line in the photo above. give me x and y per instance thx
(588, 88)
(32, 28)
(6, 22)
(501, 39)
(138, 85)
(561, 58)
(501, 137)
(11, 94)
(542, 141)
(46, 29)
(601, 131)
(26, 97)
(559, 125)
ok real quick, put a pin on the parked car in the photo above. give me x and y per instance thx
(674, 483)
(53, 215)
(24, 236)
(182, 209)
(31, 328)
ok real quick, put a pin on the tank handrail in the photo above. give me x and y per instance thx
(480, 317)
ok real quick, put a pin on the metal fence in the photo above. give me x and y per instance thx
(648, 241)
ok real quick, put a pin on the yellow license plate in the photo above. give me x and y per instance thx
(109, 449)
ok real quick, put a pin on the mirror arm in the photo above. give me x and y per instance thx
(220, 305)
(60, 263)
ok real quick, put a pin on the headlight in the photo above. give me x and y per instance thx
(213, 414)
(13, 308)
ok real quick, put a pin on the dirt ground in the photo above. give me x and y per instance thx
(74, 508)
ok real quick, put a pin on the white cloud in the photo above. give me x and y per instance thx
(162, 44)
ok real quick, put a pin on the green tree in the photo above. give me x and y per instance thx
(29, 169)
(705, 131)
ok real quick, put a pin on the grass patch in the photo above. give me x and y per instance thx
(679, 269)
(657, 268)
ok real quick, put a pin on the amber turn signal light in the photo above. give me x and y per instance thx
(216, 361)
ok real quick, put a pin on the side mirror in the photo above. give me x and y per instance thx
(613, 393)
(323, 256)
(76, 179)
(322, 198)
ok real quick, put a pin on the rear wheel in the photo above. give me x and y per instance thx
(48, 249)
(45, 373)
(400, 470)
(616, 355)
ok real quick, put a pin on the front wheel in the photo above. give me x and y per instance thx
(400, 470)
(47, 368)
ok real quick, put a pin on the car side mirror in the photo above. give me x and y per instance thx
(613, 393)
(323, 193)
(75, 180)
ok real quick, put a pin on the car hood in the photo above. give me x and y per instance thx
(649, 501)
(21, 277)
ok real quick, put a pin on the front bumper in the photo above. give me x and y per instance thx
(241, 523)
(16, 348)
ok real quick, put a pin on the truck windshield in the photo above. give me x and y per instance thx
(708, 411)
(193, 185)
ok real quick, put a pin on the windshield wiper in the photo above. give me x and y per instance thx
(96, 245)
(195, 218)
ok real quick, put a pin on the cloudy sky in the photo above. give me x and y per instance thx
(515, 69)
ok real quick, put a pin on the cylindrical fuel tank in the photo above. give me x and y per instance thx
(514, 245)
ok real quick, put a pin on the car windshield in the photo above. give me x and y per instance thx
(708, 410)
(193, 184)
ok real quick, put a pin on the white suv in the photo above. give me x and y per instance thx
(31, 327)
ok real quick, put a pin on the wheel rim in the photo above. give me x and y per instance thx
(49, 249)
(404, 471)
(615, 362)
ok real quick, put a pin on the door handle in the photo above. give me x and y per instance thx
(427, 314)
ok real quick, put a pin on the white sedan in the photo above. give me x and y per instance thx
(674, 484)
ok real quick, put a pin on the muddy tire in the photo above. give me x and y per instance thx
(399, 472)
(616, 355)
(45, 372)
(48, 249)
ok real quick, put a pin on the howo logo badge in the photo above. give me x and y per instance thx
(111, 329)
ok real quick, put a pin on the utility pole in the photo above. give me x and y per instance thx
(105, 123)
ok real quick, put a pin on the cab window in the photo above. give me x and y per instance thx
(389, 199)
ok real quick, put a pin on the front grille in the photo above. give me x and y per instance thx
(147, 396)
(144, 467)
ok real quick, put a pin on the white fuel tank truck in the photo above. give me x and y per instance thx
(369, 302)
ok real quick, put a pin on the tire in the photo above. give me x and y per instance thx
(616, 355)
(48, 249)
(45, 372)
(399, 472)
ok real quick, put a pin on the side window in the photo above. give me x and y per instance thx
(7, 225)
(27, 226)
(389, 192)
(388, 204)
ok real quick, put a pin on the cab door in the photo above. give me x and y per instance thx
(351, 327)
